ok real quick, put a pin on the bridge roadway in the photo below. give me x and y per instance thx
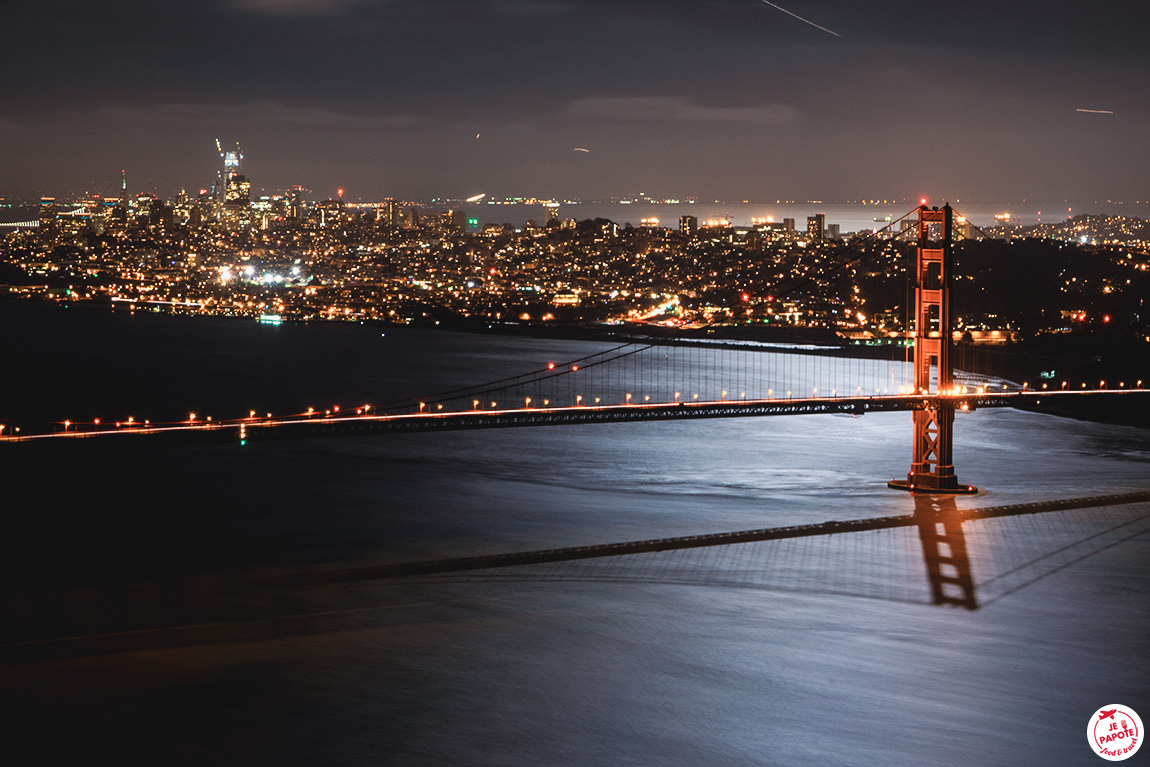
(316, 425)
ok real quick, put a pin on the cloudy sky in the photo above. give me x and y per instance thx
(730, 99)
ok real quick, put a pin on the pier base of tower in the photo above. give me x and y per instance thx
(932, 483)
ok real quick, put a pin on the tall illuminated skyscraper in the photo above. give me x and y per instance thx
(234, 189)
(231, 167)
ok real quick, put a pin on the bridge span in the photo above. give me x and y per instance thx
(316, 425)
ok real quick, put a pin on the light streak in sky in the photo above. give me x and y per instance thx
(580, 149)
(800, 18)
(1095, 111)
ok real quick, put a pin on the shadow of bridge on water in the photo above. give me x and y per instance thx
(940, 554)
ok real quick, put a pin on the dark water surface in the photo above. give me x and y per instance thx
(812, 651)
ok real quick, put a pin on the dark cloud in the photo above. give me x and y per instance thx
(723, 97)
(671, 109)
(295, 8)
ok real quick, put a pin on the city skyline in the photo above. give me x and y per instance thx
(740, 100)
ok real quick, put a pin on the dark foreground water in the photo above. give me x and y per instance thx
(813, 651)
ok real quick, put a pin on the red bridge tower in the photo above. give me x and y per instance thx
(932, 470)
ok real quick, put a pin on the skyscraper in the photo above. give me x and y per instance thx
(234, 190)
(389, 214)
(816, 226)
(49, 218)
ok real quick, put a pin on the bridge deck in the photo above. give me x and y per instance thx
(303, 426)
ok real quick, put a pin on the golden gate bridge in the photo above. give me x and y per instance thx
(656, 379)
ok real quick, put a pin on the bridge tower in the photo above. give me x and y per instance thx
(932, 467)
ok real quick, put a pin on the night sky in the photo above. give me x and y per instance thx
(722, 99)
